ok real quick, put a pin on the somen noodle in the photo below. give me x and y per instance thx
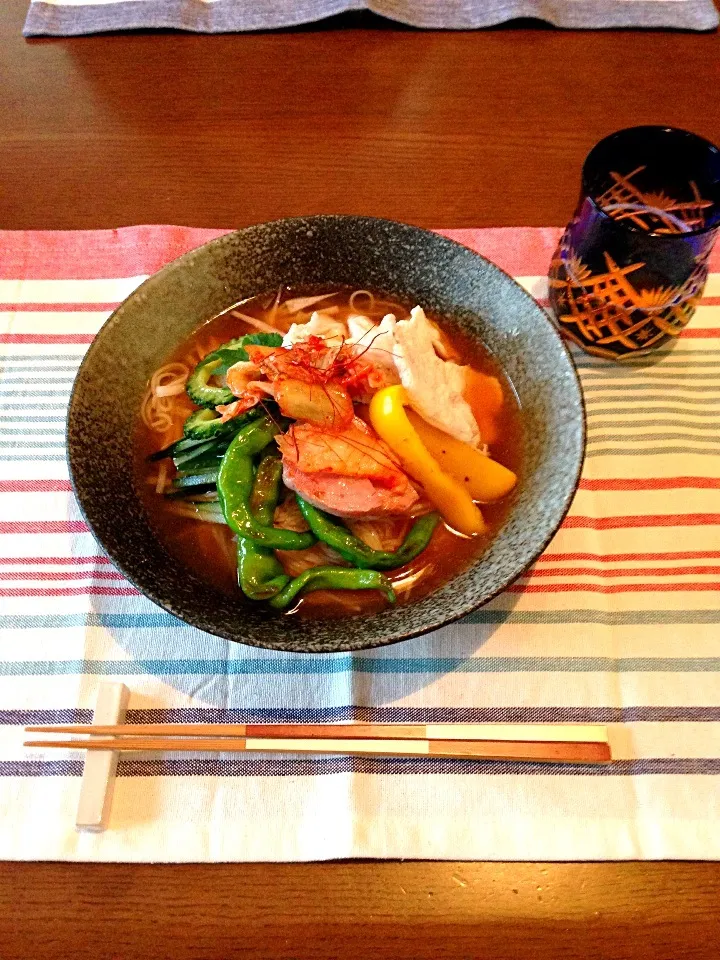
(157, 406)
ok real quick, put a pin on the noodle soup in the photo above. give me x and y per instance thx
(332, 516)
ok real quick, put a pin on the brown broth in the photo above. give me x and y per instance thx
(209, 550)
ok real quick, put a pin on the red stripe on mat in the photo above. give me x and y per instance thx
(75, 307)
(35, 486)
(617, 572)
(47, 337)
(70, 592)
(29, 561)
(95, 254)
(44, 526)
(612, 587)
(66, 575)
(648, 520)
(700, 333)
(624, 557)
(653, 483)
(130, 251)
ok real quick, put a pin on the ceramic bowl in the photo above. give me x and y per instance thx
(417, 267)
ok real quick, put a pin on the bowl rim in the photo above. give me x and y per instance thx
(400, 635)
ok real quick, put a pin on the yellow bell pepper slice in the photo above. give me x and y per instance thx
(391, 423)
(484, 479)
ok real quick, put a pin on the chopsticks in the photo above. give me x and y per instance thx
(555, 732)
(568, 743)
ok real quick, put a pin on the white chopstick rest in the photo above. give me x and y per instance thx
(98, 778)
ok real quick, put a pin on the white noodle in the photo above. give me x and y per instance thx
(157, 406)
(412, 579)
(383, 533)
(192, 514)
(254, 322)
(302, 303)
(362, 293)
(389, 306)
(225, 545)
(171, 390)
(162, 476)
(296, 562)
(273, 312)
(364, 530)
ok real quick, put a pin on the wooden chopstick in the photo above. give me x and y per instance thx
(526, 732)
(539, 751)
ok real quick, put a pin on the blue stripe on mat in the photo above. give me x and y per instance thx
(277, 666)
(629, 451)
(12, 392)
(133, 621)
(319, 766)
(27, 457)
(676, 398)
(639, 714)
(32, 358)
(594, 386)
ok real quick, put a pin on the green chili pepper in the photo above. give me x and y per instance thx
(235, 483)
(260, 573)
(333, 578)
(351, 548)
(266, 488)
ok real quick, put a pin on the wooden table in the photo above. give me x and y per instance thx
(358, 116)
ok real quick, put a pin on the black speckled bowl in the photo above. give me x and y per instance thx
(417, 266)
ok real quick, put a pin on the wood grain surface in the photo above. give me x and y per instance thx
(484, 128)
(360, 911)
(356, 116)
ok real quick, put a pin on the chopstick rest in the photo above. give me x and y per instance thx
(98, 780)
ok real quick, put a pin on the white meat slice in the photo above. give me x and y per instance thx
(359, 327)
(434, 386)
(332, 331)
(376, 343)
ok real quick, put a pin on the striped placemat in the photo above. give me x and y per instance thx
(616, 623)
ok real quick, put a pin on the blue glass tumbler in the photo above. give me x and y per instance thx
(633, 261)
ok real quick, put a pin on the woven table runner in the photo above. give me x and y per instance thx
(616, 623)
